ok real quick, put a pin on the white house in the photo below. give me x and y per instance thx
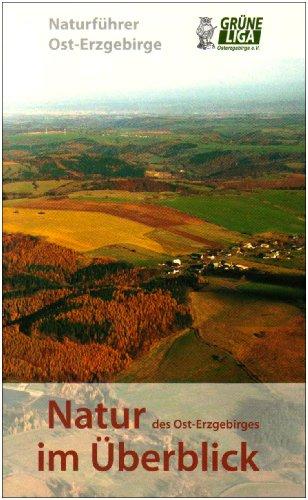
(177, 262)
(242, 268)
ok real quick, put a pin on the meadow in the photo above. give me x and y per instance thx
(263, 345)
(36, 188)
(185, 358)
(251, 213)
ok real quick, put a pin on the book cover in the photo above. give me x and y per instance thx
(153, 249)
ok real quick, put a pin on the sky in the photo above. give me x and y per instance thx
(34, 74)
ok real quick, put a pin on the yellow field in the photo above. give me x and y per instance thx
(81, 231)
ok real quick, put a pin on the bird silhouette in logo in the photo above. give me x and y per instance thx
(205, 32)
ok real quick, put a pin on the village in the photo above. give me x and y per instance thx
(227, 260)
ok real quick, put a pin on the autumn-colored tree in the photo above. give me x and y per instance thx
(46, 360)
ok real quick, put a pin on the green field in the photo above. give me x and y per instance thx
(252, 148)
(273, 292)
(118, 196)
(123, 136)
(184, 358)
(137, 256)
(257, 212)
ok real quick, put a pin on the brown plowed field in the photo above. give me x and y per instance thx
(194, 237)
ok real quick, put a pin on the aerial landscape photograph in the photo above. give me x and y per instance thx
(152, 247)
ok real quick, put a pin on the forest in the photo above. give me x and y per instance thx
(67, 318)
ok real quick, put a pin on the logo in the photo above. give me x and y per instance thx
(205, 32)
(236, 33)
